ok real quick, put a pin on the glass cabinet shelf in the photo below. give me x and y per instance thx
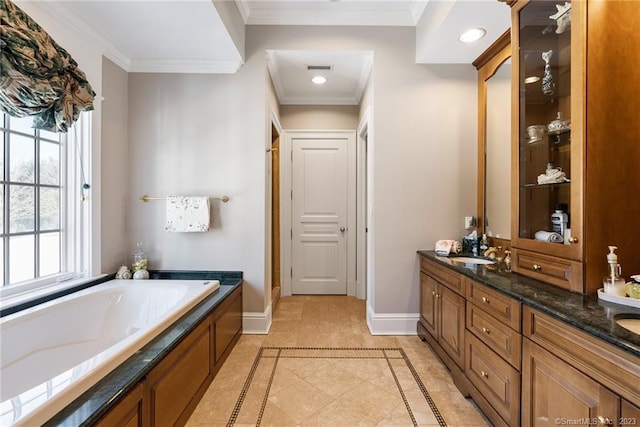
(541, 186)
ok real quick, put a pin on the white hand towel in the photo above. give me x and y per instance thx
(549, 236)
(187, 214)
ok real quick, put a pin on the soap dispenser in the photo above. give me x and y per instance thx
(614, 284)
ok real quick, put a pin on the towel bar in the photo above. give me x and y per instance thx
(146, 198)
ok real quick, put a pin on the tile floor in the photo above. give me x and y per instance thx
(327, 321)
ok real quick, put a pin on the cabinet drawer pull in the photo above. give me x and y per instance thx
(484, 374)
(486, 330)
(537, 267)
(485, 300)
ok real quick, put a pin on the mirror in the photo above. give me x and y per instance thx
(494, 139)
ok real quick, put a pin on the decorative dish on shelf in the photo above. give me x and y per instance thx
(632, 302)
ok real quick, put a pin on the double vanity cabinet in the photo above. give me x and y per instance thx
(526, 352)
(536, 347)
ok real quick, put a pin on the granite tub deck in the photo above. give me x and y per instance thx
(101, 397)
(585, 312)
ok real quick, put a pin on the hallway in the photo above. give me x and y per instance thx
(329, 322)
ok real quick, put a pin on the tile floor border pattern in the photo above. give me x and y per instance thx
(325, 353)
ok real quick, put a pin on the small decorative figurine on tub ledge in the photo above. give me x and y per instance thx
(141, 274)
(123, 273)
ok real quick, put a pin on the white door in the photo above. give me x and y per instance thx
(319, 216)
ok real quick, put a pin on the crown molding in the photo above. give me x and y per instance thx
(317, 100)
(63, 14)
(244, 9)
(272, 66)
(417, 10)
(351, 14)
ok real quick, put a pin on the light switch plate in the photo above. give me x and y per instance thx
(469, 222)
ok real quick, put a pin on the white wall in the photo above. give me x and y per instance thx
(321, 117)
(195, 134)
(424, 171)
(115, 167)
(201, 135)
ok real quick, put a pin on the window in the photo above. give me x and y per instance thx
(39, 221)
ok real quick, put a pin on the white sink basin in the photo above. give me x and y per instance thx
(471, 260)
(631, 324)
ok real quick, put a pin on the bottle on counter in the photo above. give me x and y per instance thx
(560, 219)
(484, 244)
(614, 284)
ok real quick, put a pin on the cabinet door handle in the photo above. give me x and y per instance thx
(434, 293)
(486, 330)
(537, 267)
(485, 300)
(573, 240)
(484, 374)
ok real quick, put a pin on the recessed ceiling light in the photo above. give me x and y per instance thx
(472, 35)
(532, 79)
(319, 80)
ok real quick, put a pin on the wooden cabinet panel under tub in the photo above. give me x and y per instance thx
(130, 412)
(170, 392)
(228, 327)
(179, 381)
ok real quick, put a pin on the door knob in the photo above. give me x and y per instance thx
(342, 229)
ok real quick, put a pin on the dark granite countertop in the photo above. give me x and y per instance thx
(586, 312)
(95, 402)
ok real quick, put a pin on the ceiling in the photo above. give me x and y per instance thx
(195, 36)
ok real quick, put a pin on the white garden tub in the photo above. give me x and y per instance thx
(52, 353)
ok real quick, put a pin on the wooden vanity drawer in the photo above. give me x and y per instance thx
(447, 277)
(495, 334)
(557, 271)
(497, 380)
(500, 306)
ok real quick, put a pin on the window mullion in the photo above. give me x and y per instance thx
(36, 206)
(5, 206)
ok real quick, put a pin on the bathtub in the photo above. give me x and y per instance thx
(51, 353)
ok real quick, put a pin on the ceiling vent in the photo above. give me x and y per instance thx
(319, 67)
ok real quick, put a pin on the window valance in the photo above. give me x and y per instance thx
(38, 77)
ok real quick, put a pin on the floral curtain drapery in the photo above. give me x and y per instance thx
(38, 77)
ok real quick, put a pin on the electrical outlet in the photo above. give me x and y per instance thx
(469, 222)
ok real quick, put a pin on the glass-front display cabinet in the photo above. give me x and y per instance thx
(547, 139)
(575, 140)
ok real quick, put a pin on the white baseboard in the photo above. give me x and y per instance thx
(391, 323)
(256, 323)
